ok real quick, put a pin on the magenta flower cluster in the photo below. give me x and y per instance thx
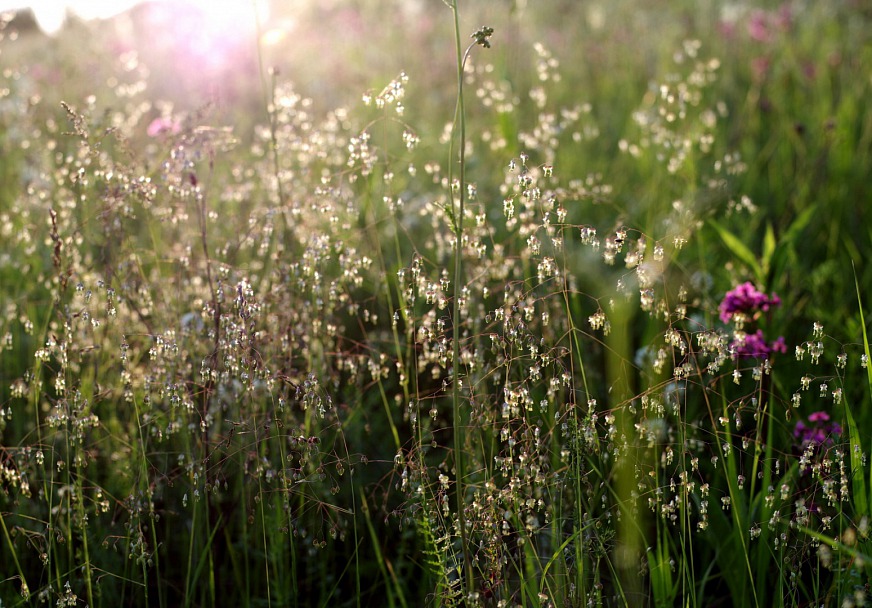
(748, 301)
(161, 126)
(755, 345)
(819, 431)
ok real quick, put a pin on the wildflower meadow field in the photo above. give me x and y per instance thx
(401, 303)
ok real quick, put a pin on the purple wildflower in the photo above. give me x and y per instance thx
(743, 304)
(759, 27)
(819, 416)
(819, 431)
(746, 299)
(779, 346)
(755, 345)
(159, 126)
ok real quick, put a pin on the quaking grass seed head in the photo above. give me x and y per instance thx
(482, 36)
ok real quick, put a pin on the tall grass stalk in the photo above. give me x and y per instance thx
(458, 193)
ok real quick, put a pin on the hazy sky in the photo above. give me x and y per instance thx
(50, 13)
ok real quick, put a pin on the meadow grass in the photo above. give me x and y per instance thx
(535, 315)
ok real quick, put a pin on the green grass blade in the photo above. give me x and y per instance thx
(393, 586)
(858, 480)
(861, 495)
(837, 545)
(204, 553)
(739, 249)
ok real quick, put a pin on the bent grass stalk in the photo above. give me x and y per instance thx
(457, 213)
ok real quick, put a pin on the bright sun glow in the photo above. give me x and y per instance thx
(206, 30)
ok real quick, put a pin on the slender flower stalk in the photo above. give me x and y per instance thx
(481, 36)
